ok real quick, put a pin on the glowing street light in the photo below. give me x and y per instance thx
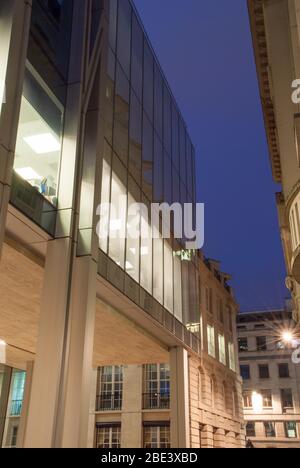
(288, 337)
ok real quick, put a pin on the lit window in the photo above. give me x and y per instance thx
(222, 349)
(157, 437)
(211, 341)
(291, 430)
(232, 363)
(38, 145)
(108, 437)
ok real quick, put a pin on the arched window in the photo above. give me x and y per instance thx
(201, 385)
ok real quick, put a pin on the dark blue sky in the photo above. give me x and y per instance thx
(205, 50)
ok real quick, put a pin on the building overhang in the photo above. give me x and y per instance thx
(257, 23)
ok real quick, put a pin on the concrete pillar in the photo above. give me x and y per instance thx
(180, 407)
(219, 438)
(14, 32)
(47, 370)
(74, 405)
(92, 415)
(132, 407)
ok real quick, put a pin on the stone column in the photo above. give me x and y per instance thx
(219, 438)
(132, 407)
(180, 407)
(207, 437)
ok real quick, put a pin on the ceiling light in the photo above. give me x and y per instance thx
(27, 173)
(42, 144)
(3, 343)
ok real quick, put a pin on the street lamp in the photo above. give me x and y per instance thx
(288, 337)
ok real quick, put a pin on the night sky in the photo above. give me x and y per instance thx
(205, 50)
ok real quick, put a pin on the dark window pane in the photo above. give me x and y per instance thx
(245, 372)
(270, 429)
(158, 171)
(113, 11)
(109, 95)
(137, 58)
(97, 8)
(121, 116)
(264, 372)
(135, 150)
(175, 138)
(167, 121)
(148, 81)
(158, 101)
(250, 429)
(49, 43)
(182, 138)
(124, 35)
(176, 186)
(147, 157)
(287, 399)
(243, 345)
(189, 164)
(261, 342)
(167, 179)
(284, 371)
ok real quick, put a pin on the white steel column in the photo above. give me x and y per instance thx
(45, 397)
(14, 32)
(180, 407)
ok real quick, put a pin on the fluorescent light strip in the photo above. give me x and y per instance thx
(43, 143)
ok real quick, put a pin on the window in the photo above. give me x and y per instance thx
(287, 400)
(110, 388)
(264, 372)
(135, 137)
(146, 252)
(251, 429)
(247, 400)
(39, 138)
(284, 371)
(156, 386)
(291, 430)
(261, 343)
(267, 398)
(137, 58)
(222, 350)
(270, 429)
(168, 273)
(17, 395)
(243, 345)
(133, 241)
(108, 437)
(211, 341)
(220, 311)
(157, 437)
(117, 225)
(232, 363)
(121, 116)
(148, 81)
(124, 35)
(245, 372)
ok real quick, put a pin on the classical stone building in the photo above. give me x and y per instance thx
(133, 403)
(271, 391)
(275, 28)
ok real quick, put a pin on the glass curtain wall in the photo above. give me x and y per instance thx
(148, 158)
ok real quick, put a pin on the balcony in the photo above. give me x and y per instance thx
(32, 204)
(109, 402)
(156, 401)
(16, 407)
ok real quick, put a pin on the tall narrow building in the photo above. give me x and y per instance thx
(275, 28)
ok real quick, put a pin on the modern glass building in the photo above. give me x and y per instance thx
(88, 121)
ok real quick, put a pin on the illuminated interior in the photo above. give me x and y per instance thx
(38, 147)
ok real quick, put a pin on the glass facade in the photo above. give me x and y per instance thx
(40, 129)
(148, 158)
